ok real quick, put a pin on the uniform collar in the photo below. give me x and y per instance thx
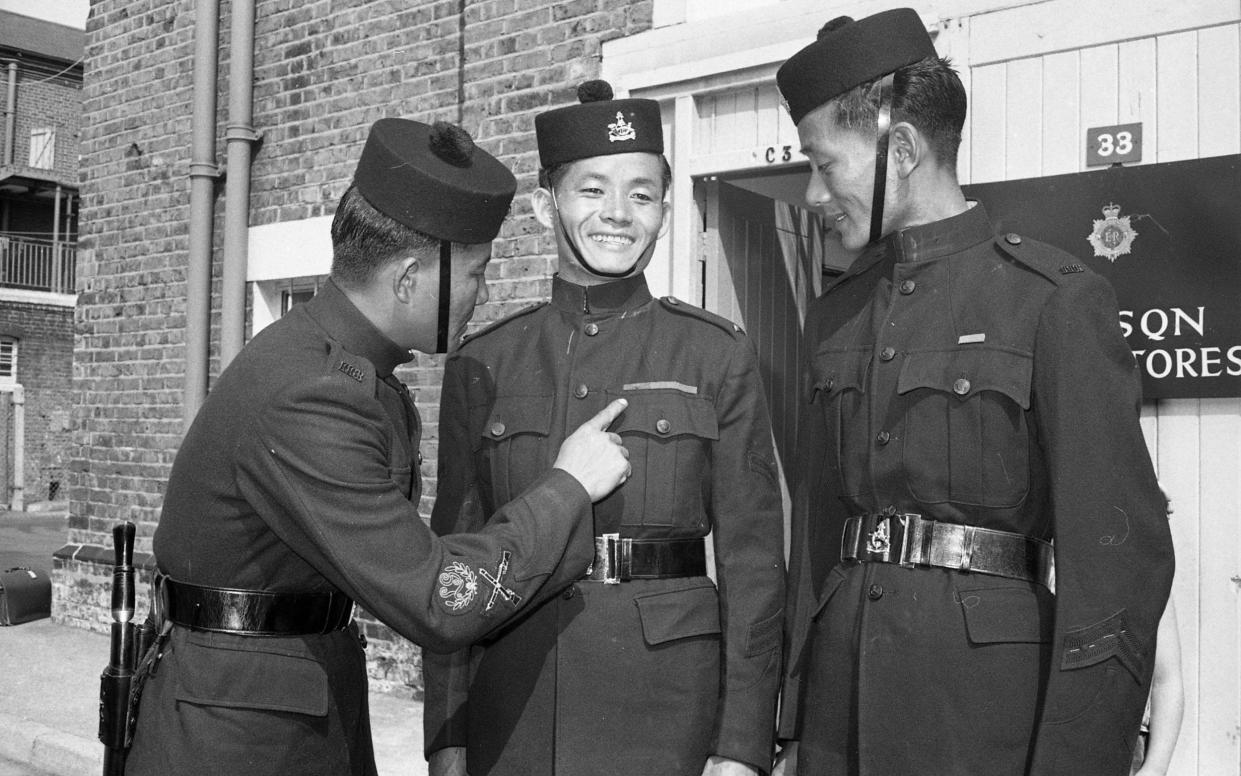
(345, 323)
(926, 241)
(617, 296)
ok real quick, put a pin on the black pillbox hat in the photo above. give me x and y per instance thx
(435, 180)
(599, 126)
(849, 53)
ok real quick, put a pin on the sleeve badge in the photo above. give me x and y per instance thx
(458, 588)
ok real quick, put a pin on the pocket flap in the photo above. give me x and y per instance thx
(835, 371)
(512, 415)
(1007, 615)
(271, 678)
(966, 371)
(679, 614)
(666, 413)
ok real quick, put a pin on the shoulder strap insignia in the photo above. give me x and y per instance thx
(1039, 257)
(1069, 269)
(675, 305)
(352, 370)
(497, 324)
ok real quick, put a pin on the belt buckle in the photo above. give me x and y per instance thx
(613, 553)
(896, 537)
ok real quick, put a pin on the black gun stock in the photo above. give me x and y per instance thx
(116, 679)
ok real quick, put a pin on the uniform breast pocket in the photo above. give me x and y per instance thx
(967, 438)
(668, 434)
(513, 444)
(839, 387)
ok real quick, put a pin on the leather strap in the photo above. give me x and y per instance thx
(253, 612)
(910, 540)
(883, 131)
(622, 559)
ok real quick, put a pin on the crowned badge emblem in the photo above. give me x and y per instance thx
(458, 586)
(880, 539)
(621, 130)
(1113, 235)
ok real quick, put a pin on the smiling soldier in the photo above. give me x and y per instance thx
(972, 401)
(644, 666)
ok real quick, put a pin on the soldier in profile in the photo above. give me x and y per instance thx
(295, 492)
(980, 553)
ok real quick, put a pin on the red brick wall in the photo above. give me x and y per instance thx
(324, 71)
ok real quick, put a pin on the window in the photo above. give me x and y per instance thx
(43, 148)
(290, 298)
(8, 360)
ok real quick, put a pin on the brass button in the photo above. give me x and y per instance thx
(1012, 238)
(592, 329)
(961, 386)
(420, 459)
(663, 426)
(672, 300)
(830, 382)
(581, 391)
(569, 593)
(883, 437)
(887, 354)
(907, 287)
(497, 428)
(875, 592)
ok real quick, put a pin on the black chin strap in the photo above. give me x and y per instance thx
(577, 254)
(441, 335)
(883, 127)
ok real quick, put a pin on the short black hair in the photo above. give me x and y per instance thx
(549, 177)
(928, 94)
(363, 239)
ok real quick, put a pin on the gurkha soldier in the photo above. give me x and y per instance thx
(295, 493)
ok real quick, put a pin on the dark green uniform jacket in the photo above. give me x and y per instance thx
(647, 676)
(300, 474)
(980, 381)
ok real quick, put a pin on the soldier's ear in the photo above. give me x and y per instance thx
(404, 277)
(907, 148)
(544, 204)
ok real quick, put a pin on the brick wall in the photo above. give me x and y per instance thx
(44, 335)
(323, 72)
(49, 102)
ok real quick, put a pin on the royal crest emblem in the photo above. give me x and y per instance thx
(621, 130)
(880, 539)
(1113, 235)
(458, 587)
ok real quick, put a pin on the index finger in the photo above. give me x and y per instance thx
(607, 415)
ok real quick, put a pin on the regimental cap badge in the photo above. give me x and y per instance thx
(1113, 235)
(621, 130)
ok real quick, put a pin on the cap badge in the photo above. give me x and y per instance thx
(458, 587)
(621, 130)
(1113, 235)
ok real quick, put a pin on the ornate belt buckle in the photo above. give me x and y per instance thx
(879, 540)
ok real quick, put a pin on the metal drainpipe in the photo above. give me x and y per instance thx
(241, 137)
(203, 174)
(18, 502)
(10, 115)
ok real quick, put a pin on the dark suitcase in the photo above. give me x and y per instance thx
(25, 595)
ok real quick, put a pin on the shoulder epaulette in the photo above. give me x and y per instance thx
(675, 305)
(350, 366)
(1047, 260)
(506, 319)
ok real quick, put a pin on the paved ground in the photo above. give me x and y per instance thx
(49, 682)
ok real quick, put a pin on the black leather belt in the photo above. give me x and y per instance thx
(911, 540)
(253, 612)
(622, 559)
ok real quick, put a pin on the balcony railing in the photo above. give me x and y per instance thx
(37, 265)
